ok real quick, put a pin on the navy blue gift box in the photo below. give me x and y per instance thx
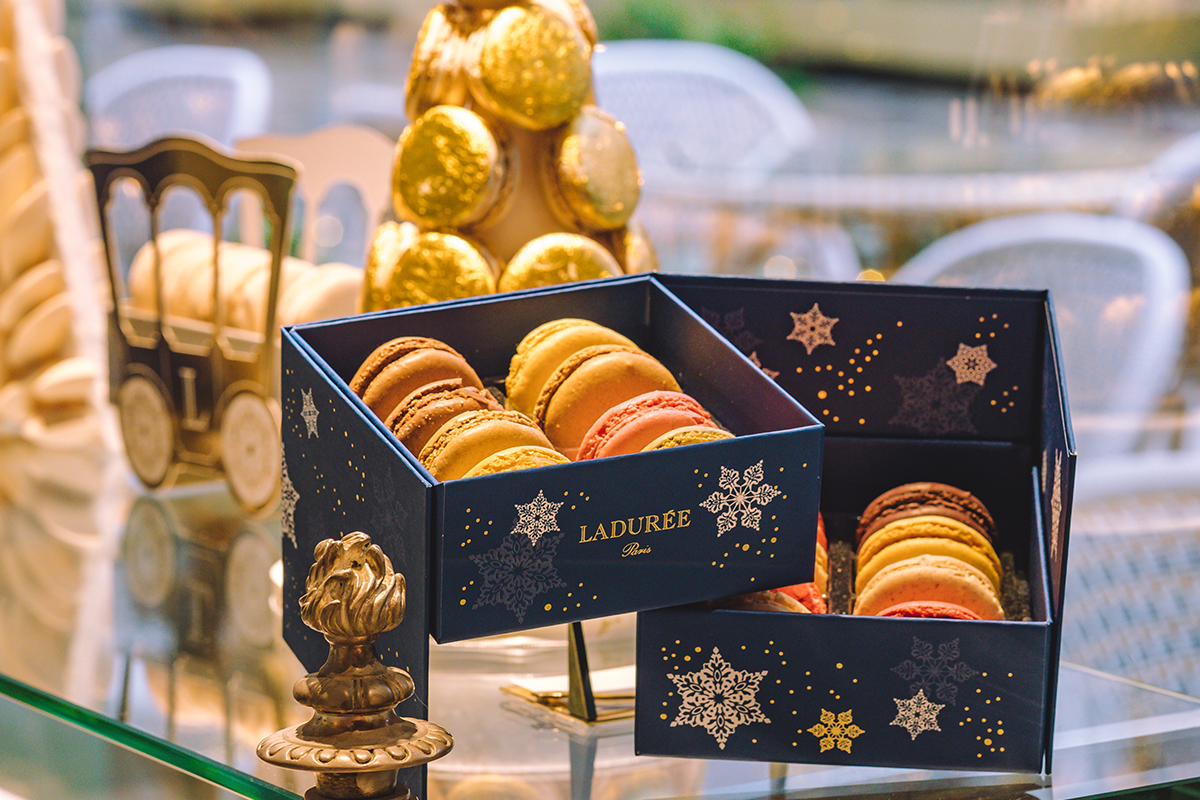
(533, 548)
(913, 384)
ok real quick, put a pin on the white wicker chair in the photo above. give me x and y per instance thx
(223, 93)
(703, 116)
(1119, 289)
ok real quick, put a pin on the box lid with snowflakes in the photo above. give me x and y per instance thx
(914, 384)
(532, 548)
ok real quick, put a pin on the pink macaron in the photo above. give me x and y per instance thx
(631, 425)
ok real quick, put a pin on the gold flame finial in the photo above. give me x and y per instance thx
(352, 591)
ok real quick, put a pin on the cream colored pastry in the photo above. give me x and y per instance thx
(41, 334)
(34, 286)
(326, 292)
(236, 263)
(248, 305)
(19, 171)
(14, 128)
(26, 233)
(141, 270)
(65, 382)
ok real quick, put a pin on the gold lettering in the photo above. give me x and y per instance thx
(634, 549)
(668, 520)
(600, 533)
(639, 520)
(652, 523)
(583, 537)
(684, 521)
(615, 523)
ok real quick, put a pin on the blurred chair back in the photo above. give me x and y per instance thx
(352, 155)
(702, 115)
(1119, 289)
(699, 112)
(223, 93)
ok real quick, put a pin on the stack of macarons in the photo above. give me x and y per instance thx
(597, 394)
(926, 550)
(434, 402)
(802, 598)
(243, 273)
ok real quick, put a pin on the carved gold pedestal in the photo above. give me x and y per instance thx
(355, 741)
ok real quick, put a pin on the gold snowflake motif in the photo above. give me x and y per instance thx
(812, 328)
(971, 364)
(770, 373)
(839, 730)
(917, 714)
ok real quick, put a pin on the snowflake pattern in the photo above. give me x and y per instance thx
(812, 328)
(971, 364)
(743, 493)
(718, 698)
(309, 412)
(287, 506)
(934, 403)
(770, 373)
(839, 731)
(537, 518)
(516, 572)
(936, 671)
(917, 714)
(732, 325)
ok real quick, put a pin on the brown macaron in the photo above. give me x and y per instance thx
(921, 499)
(398, 367)
(417, 417)
(590, 382)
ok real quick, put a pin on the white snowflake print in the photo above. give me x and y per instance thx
(938, 671)
(309, 412)
(917, 714)
(537, 518)
(718, 698)
(739, 503)
(1056, 505)
(287, 507)
(516, 572)
(812, 328)
(971, 364)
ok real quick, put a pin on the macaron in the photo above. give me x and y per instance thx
(398, 367)
(632, 424)
(527, 456)
(922, 499)
(591, 173)
(33, 287)
(690, 434)
(417, 417)
(438, 266)
(555, 258)
(325, 292)
(543, 349)
(978, 557)
(928, 609)
(391, 239)
(766, 600)
(436, 75)
(632, 246)
(932, 534)
(469, 438)
(451, 170)
(930, 577)
(812, 593)
(590, 382)
(530, 66)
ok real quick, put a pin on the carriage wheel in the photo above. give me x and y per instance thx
(147, 429)
(251, 451)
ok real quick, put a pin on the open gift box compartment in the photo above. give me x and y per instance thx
(521, 550)
(838, 689)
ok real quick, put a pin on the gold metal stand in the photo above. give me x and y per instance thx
(355, 741)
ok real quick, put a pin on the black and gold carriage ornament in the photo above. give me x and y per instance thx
(355, 741)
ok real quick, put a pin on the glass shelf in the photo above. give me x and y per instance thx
(149, 623)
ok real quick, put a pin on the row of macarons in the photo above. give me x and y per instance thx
(923, 549)
(575, 390)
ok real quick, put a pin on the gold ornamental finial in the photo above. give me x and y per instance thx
(355, 741)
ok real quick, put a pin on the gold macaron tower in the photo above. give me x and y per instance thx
(509, 175)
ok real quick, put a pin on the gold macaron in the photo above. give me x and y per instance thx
(450, 171)
(557, 258)
(593, 180)
(439, 266)
(530, 66)
(437, 73)
(390, 241)
(632, 246)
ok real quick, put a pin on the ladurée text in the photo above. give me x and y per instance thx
(668, 520)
